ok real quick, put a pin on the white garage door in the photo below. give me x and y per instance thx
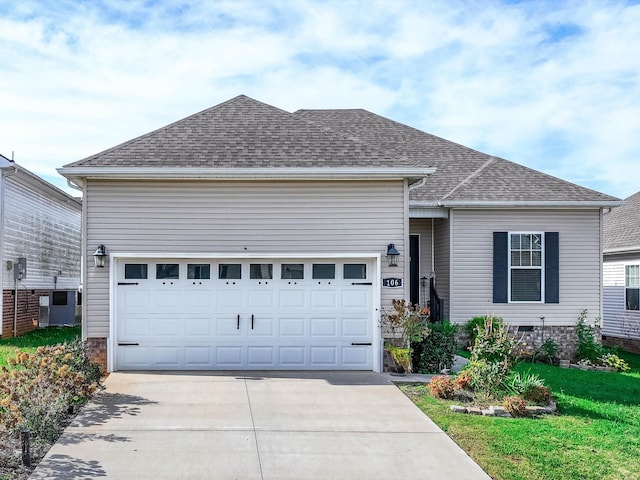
(244, 314)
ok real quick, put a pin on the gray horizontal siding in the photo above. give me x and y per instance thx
(616, 320)
(238, 217)
(580, 264)
(44, 230)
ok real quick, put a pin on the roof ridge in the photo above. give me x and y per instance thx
(473, 175)
(352, 138)
(395, 122)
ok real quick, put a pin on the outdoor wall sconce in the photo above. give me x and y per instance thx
(99, 256)
(392, 255)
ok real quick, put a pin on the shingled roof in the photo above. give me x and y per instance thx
(462, 174)
(244, 133)
(622, 227)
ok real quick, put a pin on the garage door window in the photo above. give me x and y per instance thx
(324, 271)
(229, 271)
(167, 270)
(135, 271)
(261, 271)
(198, 271)
(292, 271)
(355, 271)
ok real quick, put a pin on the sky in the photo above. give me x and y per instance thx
(553, 85)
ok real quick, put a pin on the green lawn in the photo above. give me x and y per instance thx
(596, 436)
(29, 342)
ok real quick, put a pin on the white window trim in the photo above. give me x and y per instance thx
(626, 287)
(541, 267)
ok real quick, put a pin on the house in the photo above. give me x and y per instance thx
(248, 237)
(39, 252)
(621, 292)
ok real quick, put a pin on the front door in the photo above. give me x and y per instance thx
(414, 269)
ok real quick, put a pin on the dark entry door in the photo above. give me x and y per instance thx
(414, 269)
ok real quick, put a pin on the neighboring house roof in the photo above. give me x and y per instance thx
(622, 227)
(26, 177)
(243, 133)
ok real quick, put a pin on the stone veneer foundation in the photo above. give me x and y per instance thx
(533, 337)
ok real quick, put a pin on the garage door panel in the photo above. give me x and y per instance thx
(261, 357)
(198, 356)
(229, 356)
(292, 356)
(356, 356)
(133, 299)
(324, 298)
(260, 298)
(324, 356)
(167, 300)
(230, 298)
(291, 299)
(195, 300)
(355, 299)
(166, 356)
(261, 326)
(133, 326)
(292, 327)
(356, 327)
(134, 356)
(227, 326)
(167, 327)
(199, 327)
(324, 327)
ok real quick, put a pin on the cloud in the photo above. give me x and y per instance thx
(552, 85)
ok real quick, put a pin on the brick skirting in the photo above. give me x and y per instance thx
(97, 349)
(627, 344)
(28, 310)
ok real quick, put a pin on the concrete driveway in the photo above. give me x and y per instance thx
(254, 425)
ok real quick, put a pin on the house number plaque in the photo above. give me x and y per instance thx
(392, 282)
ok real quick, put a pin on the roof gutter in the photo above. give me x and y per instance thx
(75, 174)
(622, 250)
(531, 203)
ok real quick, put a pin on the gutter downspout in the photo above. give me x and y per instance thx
(74, 185)
(418, 184)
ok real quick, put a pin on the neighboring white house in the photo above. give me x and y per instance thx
(247, 237)
(621, 315)
(39, 252)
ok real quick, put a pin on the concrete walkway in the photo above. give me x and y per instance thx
(253, 425)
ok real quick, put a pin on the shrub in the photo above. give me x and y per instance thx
(463, 380)
(519, 383)
(486, 378)
(407, 322)
(437, 350)
(614, 361)
(471, 327)
(402, 356)
(515, 405)
(442, 387)
(547, 353)
(538, 394)
(494, 344)
(38, 392)
(588, 347)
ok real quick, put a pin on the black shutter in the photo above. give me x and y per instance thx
(500, 267)
(551, 268)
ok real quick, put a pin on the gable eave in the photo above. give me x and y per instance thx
(79, 174)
